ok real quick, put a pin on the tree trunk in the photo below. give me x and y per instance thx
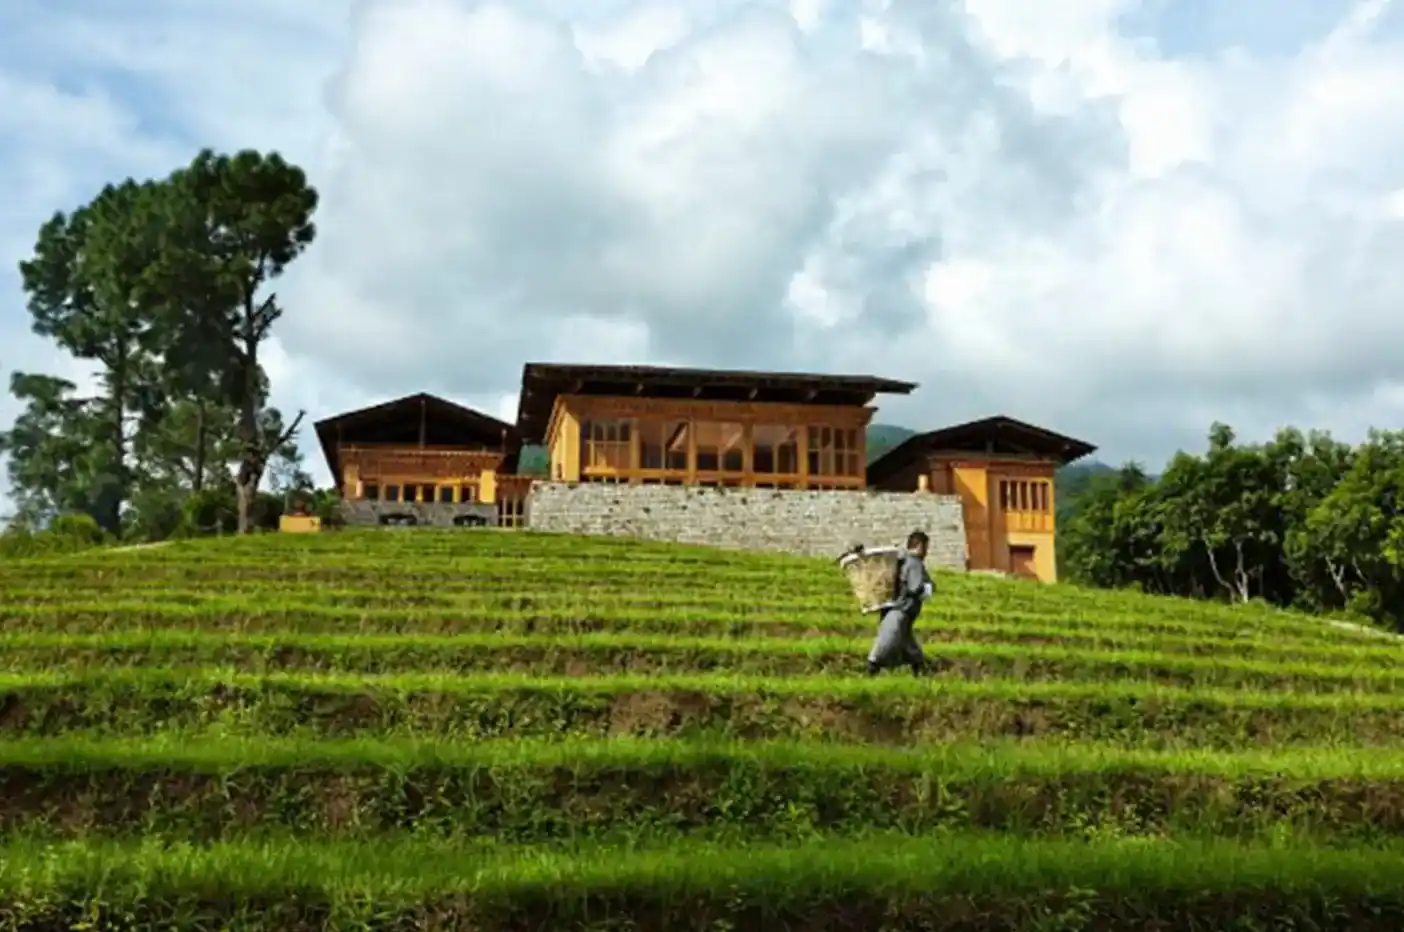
(1214, 567)
(250, 445)
(1241, 577)
(246, 489)
(197, 481)
(118, 376)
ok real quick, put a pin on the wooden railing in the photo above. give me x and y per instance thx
(1028, 521)
(428, 463)
(512, 492)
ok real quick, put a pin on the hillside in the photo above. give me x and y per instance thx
(883, 437)
(488, 730)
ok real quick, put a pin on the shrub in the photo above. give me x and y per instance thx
(68, 533)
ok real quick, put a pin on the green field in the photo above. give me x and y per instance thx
(495, 730)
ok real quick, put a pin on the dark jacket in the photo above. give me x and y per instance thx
(912, 580)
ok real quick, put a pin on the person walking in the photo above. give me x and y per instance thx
(895, 644)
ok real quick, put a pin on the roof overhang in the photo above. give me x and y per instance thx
(543, 383)
(987, 436)
(406, 420)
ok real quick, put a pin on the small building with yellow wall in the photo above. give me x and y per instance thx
(423, 459)
(1003, 471)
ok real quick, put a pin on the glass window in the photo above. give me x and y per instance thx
(721, 446)
(821, 451)
(776, 449)
(663, 445)
(605, 444)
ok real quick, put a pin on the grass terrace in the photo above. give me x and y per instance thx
(488, 730)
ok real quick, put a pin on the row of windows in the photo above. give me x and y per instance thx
(718, 446)
(417, 492)
(1026, 495)
(723, 483)
(511, 511)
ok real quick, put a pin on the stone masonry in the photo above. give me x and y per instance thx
(818, 523)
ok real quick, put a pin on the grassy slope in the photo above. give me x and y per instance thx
(675, 732)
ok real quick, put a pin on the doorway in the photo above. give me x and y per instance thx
(1021, 562)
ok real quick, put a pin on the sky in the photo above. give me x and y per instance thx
(1121, 220)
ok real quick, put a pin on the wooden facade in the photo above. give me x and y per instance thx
(644, 425)
(421, 449)
(639, 425)
(1003, 470)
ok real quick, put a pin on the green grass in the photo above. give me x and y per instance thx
(637, 791)
(889, 710)
(976, 882)
(513, 730)
(601, 653)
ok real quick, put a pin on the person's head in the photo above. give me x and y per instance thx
(917, 542)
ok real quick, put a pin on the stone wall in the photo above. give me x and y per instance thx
(816, 523)
(366, 512)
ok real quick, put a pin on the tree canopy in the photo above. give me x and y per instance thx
(162, 287)
(1301, 521)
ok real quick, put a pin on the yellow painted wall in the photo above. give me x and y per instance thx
(487, 486)
(972, 484)
(989, 532)
(1045, 555)
(299, 524)
(1042, 539)
(564, 444)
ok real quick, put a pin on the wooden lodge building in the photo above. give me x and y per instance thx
(700, 428)
(389, 461)
(1002, 470)
(423, 459)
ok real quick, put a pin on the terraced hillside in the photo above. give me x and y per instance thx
(483, 730)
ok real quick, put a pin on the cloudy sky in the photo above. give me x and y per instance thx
(1121, 219)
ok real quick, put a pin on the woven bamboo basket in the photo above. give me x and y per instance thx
(872, 572)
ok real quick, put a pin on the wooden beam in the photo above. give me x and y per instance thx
(825, 415)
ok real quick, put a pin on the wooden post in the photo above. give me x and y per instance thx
(691, 452)
(802, 450)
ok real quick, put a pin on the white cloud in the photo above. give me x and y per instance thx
(1046, 215)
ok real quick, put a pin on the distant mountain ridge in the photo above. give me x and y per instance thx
(883, 437)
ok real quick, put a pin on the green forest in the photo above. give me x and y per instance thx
(165, 288)
(1303, 520)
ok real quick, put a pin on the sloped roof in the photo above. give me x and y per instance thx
(398, 421)
(998, 434)
(542, 383)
